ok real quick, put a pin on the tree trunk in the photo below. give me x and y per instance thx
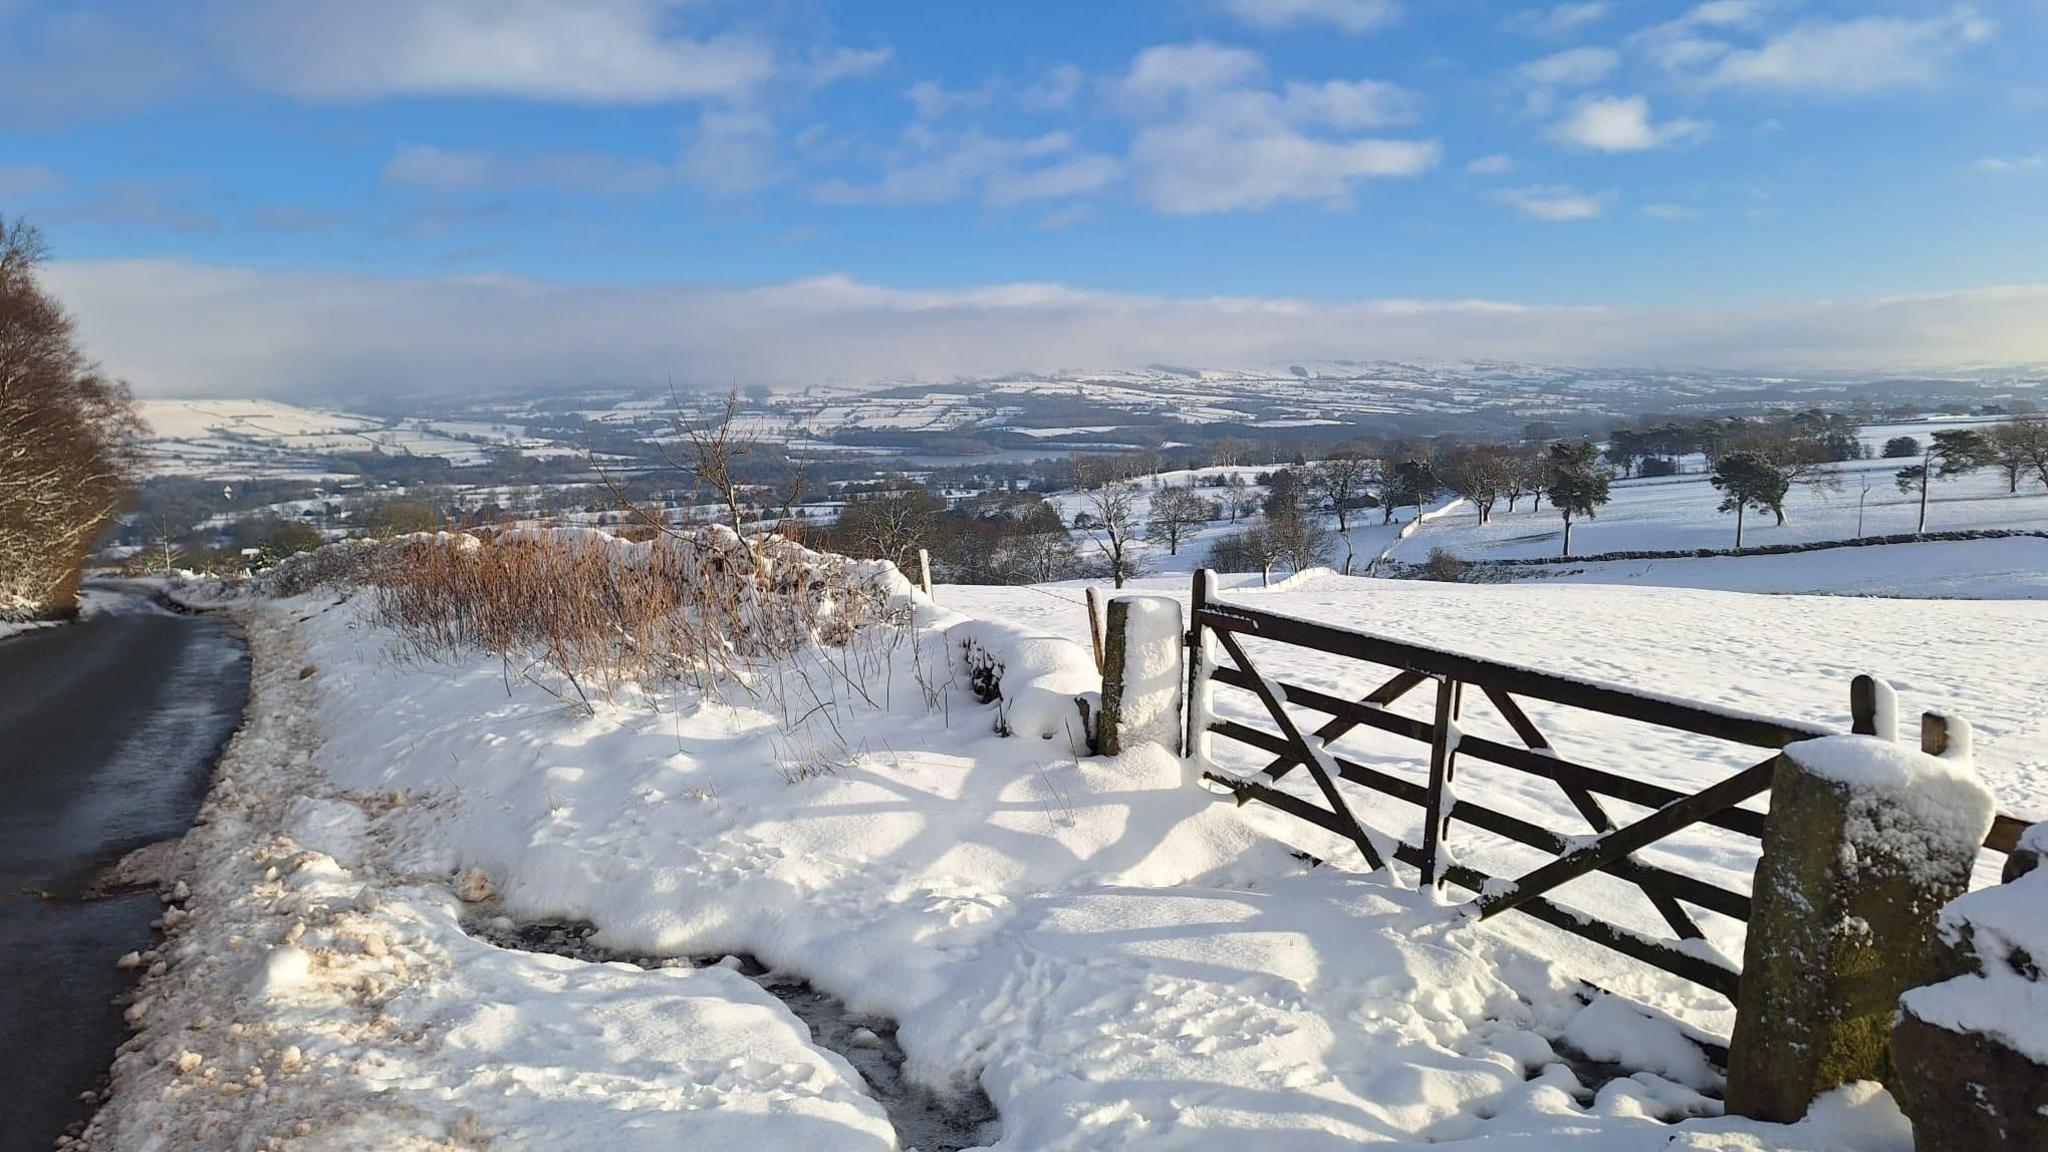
(1567, 535)
(1923, 502)
(1738, 527)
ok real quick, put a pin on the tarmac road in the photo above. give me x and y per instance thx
(109, 730)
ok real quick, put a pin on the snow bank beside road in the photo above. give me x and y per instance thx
(1118, 959)
(316, 995)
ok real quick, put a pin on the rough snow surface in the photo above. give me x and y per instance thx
(1785, 656)
(1120, 960)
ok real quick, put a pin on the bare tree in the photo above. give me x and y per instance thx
(2019, 444)
(1345, 478)
(1238, 498)
(1479, 473)
(889, 525)
(1176, 512)
(1300, 542)
(1110, 515)
(715, 451)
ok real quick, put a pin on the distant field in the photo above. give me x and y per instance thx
(1680, 513)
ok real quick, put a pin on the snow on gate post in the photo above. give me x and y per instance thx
(1972, 1050)
(1865, 842)
(1142, 688)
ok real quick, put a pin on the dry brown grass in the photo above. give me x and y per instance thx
(598, 612)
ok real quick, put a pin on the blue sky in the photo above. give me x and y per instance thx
(1711, 165)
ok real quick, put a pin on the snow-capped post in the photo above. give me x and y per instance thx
(1873, 708)
(1866, 840)
(1972, 1049)
(1142, 687)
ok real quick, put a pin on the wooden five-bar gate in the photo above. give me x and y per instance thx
(1610, 846)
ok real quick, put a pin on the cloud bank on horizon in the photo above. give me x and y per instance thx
(176, 328)
(293, 195)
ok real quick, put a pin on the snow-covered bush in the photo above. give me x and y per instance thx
(343, 563)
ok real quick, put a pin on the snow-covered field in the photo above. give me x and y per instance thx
(1117, 957)
(2006, 569)
(247, 439)
(1681, 513)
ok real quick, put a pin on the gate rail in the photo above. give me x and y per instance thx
(1611, 847)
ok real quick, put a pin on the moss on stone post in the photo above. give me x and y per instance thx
(1865, 842)
(1142, 685)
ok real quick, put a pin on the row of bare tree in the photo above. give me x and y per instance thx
(67, 435)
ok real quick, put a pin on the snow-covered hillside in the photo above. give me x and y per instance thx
(265, 439)
(1117, 957)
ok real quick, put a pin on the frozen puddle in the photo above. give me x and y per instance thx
(925, 1121)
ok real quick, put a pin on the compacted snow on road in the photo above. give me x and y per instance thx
(1115, 956)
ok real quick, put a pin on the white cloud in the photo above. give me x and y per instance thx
(28, 179)
(453, 170)
(1351, 104)
(1215, 136)
(1067, 217)
(1158, 76)
(930, 166)
(829, 66)
(1494, 165)
(439, 169)
(342, 336)
(589, 51)
(730, 150)
(1055, 90)
(1344, 15)
(1572, 68)
(1554, 202)
(1561, 20)
(1850, 57)
(935, 101)
(1621, 124)
(2032, 163)
(733, 151)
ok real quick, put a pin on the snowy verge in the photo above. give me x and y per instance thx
(1116, 958)
(310, 995)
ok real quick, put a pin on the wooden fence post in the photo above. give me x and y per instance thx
(1865, 842)
(1196, 739)
(924, 573)
(1095, 626)
(1142, 690)
(1443, 767)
